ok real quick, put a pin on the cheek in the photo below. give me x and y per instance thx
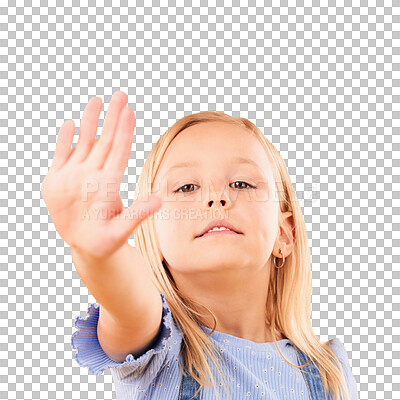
(173, 240)
(180, 217)
(164, 238)
(265, 219)
(171, 227)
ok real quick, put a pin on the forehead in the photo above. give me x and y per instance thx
(214, 143)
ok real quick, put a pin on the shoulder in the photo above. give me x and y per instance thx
(340, 352)
(338, 348)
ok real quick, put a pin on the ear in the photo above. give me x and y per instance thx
(286, 235)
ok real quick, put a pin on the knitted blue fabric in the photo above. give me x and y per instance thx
(255, 370)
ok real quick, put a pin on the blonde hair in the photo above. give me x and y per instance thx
(288, 305)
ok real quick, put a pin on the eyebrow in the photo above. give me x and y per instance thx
(236, 160)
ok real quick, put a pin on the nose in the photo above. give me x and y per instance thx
(215, 199)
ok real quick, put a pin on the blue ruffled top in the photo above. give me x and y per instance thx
(254, 370)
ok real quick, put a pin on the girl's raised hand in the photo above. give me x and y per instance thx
(81, 189)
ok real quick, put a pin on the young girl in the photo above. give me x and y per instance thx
(214, 301)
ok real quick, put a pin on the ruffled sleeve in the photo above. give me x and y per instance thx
(338, 348)
(91, 355)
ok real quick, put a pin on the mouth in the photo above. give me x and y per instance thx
(219, 233)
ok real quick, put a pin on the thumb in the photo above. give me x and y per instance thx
(138, 211)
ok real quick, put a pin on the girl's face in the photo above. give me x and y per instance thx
(216, 182)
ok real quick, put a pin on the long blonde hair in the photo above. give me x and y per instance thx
(288, 305)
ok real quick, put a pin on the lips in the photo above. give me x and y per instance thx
(218, 224)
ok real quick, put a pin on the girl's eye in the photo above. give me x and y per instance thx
(245, 184)
(191, 184)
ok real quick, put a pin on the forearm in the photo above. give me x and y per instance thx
(121, 284)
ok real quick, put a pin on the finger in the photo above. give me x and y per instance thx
(131, 217)
(118, 156)
(100, 151)
(63, 145)
(88, 129)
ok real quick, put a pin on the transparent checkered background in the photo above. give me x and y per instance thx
(322, 83)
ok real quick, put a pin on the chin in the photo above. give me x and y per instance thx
(219, 261)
